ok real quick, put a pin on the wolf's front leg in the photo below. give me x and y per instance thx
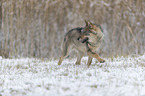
(89, 61)
(60, 60)
(80, 55)
(95, 55)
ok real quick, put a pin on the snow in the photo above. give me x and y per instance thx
(121, 76)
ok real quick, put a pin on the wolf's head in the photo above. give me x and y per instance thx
(89, 29)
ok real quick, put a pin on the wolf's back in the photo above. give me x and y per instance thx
(73, 32)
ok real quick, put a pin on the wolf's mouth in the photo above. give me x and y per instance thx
(85, 40)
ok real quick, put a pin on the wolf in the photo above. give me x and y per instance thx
(83, 40)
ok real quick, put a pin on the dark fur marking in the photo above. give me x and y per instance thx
(78, 29)
(65, 39)
(89, 50)
(85, 40)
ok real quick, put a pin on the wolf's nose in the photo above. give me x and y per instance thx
(78, 39)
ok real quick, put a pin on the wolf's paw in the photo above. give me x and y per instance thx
(102, 61)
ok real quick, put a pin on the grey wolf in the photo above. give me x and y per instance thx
(83, 40)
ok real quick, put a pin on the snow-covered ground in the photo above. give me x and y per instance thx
(122, 76)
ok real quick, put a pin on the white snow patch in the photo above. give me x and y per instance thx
(122, 76)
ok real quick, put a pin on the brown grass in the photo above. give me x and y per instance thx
(35, 28)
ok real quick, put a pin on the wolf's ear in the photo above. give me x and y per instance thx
(89, 23)
(86, 22)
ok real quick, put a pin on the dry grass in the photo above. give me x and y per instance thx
(35, 28)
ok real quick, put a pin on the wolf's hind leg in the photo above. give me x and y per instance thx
(89, 61)
(65, 52)
(80, 55)
(60, 60)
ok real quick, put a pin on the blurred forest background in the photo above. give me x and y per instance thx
(36, 28)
